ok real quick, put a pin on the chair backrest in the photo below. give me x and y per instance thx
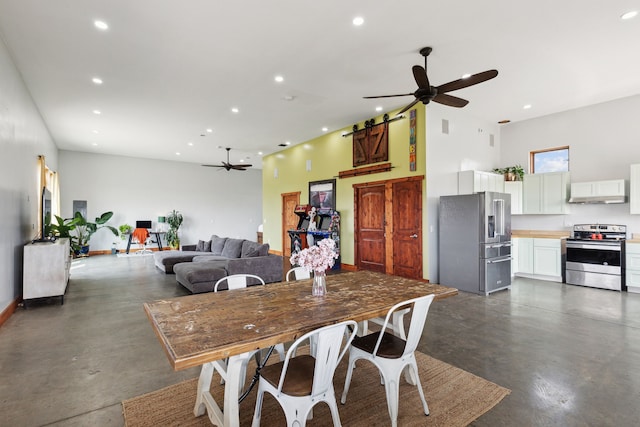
(328, 353)
(418, 318)
(237, 281)
(299, 273)
(140, 235)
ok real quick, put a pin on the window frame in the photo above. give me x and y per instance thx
(532, 155)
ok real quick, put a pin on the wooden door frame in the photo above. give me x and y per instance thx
(285, 232)
(388, 209)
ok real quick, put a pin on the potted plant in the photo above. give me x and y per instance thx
(174, 219)
(511, 173)
(83, 230)
(124, 230)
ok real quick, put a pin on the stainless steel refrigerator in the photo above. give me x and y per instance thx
(475, 242)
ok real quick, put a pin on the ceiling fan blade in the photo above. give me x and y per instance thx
(420, 75)
(469, 81)
(387, 96)
(238, 167)
(415, 101)
(213, 166)
(451, 101)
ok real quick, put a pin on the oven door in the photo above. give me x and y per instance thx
(597, 257)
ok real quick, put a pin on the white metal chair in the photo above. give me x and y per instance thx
(299, 273)
(299, 383)
(238, 281)
(392, 354)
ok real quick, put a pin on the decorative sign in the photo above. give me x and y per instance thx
(412, 140)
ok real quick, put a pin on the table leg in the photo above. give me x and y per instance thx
(129, 243)
(159, 240)
(234, 381)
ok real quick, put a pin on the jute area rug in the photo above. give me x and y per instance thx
(455, 398)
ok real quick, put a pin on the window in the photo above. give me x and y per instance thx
(551, 160)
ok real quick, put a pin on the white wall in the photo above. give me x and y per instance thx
(23, 136)
(603, 140)
(212, 201)
(466, 147)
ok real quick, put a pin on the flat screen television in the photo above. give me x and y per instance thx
(45, 214)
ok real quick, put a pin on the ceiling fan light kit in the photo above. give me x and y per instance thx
(427, 93)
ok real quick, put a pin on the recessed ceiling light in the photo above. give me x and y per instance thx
(209, 130)
(97, 80)
(629, 15)
(177, 153)
(324, 129)
(287, 143)
(259, 153)
(241, 160)
(288, 97)
(378, 108)
(96, 132)
(279, 79)
(526, 107)
(466, 76)
(95, 144)
(101, 25)
(190, 144)
(358, 20)
(97, 112)
(235, 110)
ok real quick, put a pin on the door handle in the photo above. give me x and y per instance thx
(414, 236)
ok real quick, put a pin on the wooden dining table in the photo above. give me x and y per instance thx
(204, 329)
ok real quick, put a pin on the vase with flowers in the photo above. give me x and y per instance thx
(317, 258)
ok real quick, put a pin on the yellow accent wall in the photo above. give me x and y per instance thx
(330, 154)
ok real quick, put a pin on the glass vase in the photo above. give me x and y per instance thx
(319, 284)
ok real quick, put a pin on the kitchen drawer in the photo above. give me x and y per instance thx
(546, 243)
(632, 248)
(633, 261)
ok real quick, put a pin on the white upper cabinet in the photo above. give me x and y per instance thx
(515, 189)
(471, 181)
(546, 193)
(634, 190)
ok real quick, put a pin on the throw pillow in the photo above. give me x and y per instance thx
(203, 246)
(217, 245)
(256, 251)
(232, 248)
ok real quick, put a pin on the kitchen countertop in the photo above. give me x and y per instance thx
(541, 234)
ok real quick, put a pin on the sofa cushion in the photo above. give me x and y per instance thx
(217, 244)
(232, 248)
(203, 246)
(254, 249)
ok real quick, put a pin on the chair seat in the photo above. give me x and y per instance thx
(391, 347)
(299, 379)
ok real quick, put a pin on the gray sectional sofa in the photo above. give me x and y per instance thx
(199, 267)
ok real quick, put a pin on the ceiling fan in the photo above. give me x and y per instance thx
(427, 93)
(228, 166)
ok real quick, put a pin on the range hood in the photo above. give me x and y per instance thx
(598, 192)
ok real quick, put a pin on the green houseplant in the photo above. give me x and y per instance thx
(511, 173)
(124, 230)
(174, 219)
(84, 229)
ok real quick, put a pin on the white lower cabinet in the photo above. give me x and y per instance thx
(632, 270)
(540, 258)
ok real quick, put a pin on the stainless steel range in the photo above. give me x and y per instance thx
(595, 256)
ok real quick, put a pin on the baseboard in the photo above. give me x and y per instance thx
(121, 251)
(273, 252)
(348, 267)
(7, 312)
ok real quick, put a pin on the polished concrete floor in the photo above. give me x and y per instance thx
(570, 355)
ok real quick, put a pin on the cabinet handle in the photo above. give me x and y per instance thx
(414, 236)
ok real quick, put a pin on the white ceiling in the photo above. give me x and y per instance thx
(172, 69)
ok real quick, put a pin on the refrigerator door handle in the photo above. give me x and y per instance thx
(500, 260)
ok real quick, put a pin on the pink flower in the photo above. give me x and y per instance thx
(319, 257)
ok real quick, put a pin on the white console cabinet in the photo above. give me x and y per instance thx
(46, 269)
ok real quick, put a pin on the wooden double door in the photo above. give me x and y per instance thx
(388, 226)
